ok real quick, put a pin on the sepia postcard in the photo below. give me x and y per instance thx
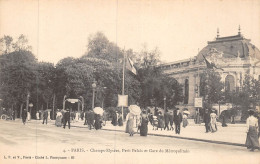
(129, 81)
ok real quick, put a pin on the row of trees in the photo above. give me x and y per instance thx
(45, 84)
(216, 92)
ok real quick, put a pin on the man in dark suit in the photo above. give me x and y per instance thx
(66, 118)
(45, 116)
(24, 116)
(207, 120)
(90, 119)
(177, 120)
(166, 120)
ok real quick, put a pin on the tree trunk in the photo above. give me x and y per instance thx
(21, 108)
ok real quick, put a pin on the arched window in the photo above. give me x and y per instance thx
(186, 91)
(230, 83)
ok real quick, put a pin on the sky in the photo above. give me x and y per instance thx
(179, 28)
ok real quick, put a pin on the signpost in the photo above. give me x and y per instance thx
(198, 103)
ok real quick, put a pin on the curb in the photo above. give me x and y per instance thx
(170, 136)
(179, 137)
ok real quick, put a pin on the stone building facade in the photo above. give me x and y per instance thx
(234, 55)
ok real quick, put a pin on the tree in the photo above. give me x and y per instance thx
(100, 47)
(17, 72)
(6, 43)
(211, 87)
(155, 84)
(21, 44)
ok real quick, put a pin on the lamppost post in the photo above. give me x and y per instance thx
(64, 98)
(94, 85)
(164, 99)
(103, 97)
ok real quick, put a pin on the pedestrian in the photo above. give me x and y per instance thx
(45, 116)
(105, 118)
(160, 120)
(120, 120)
(24, 116)
(150, 116)
(37, 115)
(90, 119)
(144, 124)
(213, 121)
(177, 120)
(197, 116)
(252, 140)
(166, 120)
(28, 116)
(207, 120)
(224, 119)
(66, 117)
(171, 118)
(98, 121)
(114, 118)
(58, 122)
(185, 120)
(86, 117)
(130, 124)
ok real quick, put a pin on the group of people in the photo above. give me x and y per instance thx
(210, 120)
(157, 120)
(163, 121)
(93, 120)
(117, 119)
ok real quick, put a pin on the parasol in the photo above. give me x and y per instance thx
(186, 112)
(98, 110)
(134, 109)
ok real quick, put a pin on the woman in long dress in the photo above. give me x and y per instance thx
(160, 121)
(144, 125)
(97, 123)
(114, 118)
(252, 141)
(213, 121)
(130, 124)
(58, 121)
(185, 120)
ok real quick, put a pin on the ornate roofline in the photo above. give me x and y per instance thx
(228, 38)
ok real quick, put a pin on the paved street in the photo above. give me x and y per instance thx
(35, 140)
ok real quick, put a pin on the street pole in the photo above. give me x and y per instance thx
(123, 85)
(93, 98)
(64, 102)
(164, 99)
(53, 105)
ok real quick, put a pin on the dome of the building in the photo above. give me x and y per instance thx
(230, 47)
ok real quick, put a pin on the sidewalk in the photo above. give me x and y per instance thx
(234, 134)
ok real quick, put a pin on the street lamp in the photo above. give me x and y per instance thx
(103, 97)
(94, 85)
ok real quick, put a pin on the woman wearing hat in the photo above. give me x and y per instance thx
(213, 121)
(144, 124)
(130, 124)
(252, 141)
